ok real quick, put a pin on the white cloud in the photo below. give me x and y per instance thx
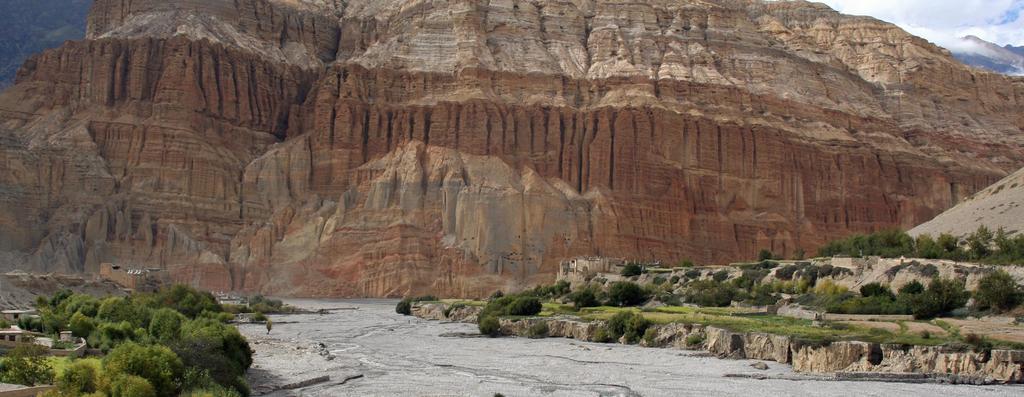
(945, 21)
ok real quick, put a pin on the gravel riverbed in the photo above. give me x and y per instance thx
(368, 350)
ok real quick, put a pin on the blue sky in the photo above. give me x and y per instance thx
(944, 21)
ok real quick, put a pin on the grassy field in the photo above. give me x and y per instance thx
(736, 320)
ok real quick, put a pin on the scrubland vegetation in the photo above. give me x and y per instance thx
(173, 342)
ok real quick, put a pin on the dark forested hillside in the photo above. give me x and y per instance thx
(30, 26)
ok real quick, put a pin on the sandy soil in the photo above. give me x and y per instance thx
(405, 356)
(1001, 328)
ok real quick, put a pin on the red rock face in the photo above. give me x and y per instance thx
(384, 149)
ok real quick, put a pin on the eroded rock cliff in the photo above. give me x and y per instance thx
(330, 148)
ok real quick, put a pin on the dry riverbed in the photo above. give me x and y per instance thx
(369, 350)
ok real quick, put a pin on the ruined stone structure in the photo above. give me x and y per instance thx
(581, 268)
(133, 278)
(394, 147)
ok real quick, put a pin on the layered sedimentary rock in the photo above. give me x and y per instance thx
(384, 148)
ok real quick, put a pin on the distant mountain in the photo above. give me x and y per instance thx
(980, 53)
(30, 26)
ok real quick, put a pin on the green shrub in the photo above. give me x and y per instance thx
(601, 335)
(978, 343)
(911, 288)
(941, 296)
(404, 307)
(875, 289)
(997, 291)
(627, 324)
(692, 274)
(875, 304)
(448, 310)
(625, 293)
(720, 276)
(538, 330)
(694, 339)
(525, 306)
(673, 280)
(632, 269)
(125, 385)
(649, 336)
(762, 295)
(585, 297)
(765, 255)
(259, 317)
(686, 263)
(158, 365)
(80, 377)
(490, 326)
(709, 293)
(555, 290)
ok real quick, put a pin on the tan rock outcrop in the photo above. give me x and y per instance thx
(837, 356)
(675, 335)
(557, 327)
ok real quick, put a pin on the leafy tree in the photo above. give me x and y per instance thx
(165, 324)
(109, 335)
(80, 377)
(979, 242)
(187, 300)
(26, 365)
(625, 293)
(59, 297)
(221, 339)
(950, 245)
(206, 364)
(81, 325)
(117, 309)
(157, 365)
(997, 291)
(765, 255)
(941, 296)
(927, 247)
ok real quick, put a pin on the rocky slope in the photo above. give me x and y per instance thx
(333, 148)
(998, 206)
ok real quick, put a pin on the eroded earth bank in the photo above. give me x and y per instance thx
(404, 355)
